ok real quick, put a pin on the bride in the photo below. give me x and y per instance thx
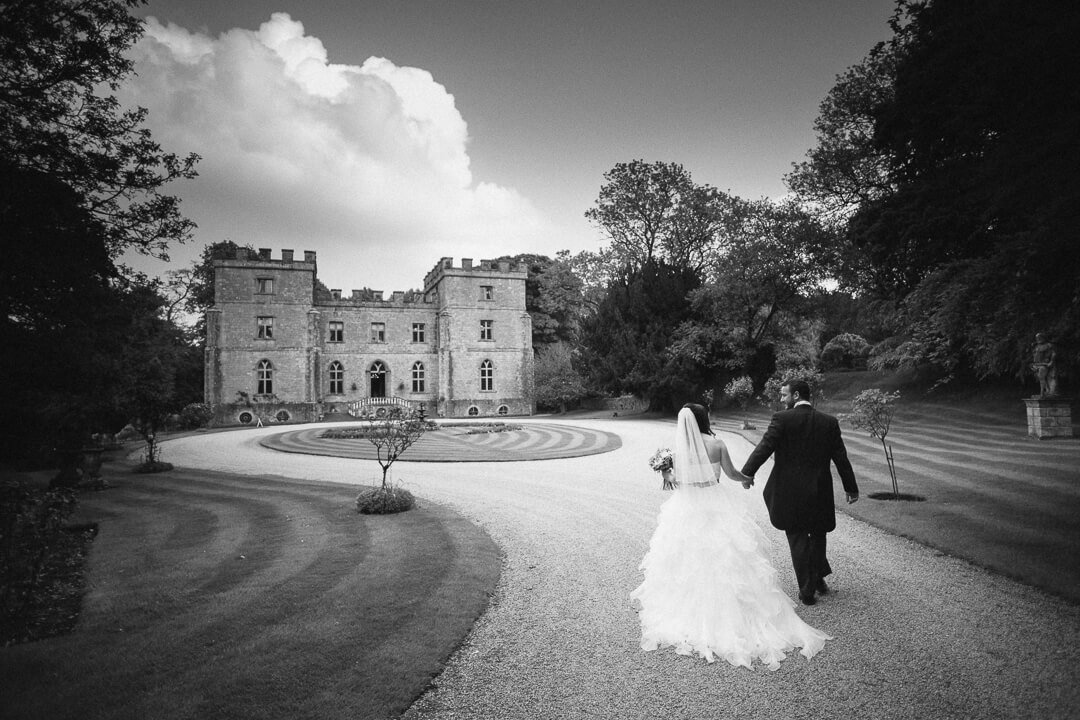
(709, 587)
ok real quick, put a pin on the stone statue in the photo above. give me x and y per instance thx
(1044, 364)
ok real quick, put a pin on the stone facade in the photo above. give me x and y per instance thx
(279, 350)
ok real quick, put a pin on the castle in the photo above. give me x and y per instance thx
(280, 348)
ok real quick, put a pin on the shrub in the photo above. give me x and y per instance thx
(195, 415)
(846, 350)
(770, 394)
(31, 523)
(384, 500)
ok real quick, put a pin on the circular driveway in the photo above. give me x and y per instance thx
(918, 634)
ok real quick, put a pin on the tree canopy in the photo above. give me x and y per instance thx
(948, 156)
(58, 61)
(85, 344)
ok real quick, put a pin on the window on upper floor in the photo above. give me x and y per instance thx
(487, 329)
(265, 327)
(487, 292)
(418, 333)
(264, 286)
(487, 376)
(264, 378)
(337, 378)
(418, 377)
(337, 331)
(378, 332)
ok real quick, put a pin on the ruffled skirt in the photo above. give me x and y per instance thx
(710, 588)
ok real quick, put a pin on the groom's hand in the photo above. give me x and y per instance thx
(747, 484)
(852, 497)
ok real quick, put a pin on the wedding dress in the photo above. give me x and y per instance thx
(709, 586)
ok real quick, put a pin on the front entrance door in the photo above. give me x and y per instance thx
(378, 379)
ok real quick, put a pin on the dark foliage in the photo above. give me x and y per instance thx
(31, 533)
(625, 343)
(952, 150)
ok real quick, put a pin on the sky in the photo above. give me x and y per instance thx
(387, 135)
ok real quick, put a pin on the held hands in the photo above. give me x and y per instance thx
(748, 482)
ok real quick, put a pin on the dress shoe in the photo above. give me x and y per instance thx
(821, 588)
(807, 599)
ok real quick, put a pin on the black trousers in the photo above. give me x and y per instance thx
(808, 557)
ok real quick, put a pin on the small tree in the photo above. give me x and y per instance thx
(872, 410)
(391, 435)
(741, 389)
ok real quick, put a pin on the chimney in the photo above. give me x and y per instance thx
(335, 293)
(287, 255)
(264, 253)
(466, 263)
(309, 256)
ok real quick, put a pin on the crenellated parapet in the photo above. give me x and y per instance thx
(264, 255)
(366, 297)
(488, 268)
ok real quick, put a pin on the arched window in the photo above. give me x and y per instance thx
(418, 377)
(337, 378)
(487, 376)
(264, 377)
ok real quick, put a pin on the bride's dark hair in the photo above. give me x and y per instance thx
(702, 417)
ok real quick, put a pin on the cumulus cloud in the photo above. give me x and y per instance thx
(367, 164)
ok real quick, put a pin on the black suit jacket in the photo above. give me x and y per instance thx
(799, 493)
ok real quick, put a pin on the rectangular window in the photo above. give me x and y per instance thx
(487, 292)
(378, 332)
(266, 328)
(264, 286)
(487, 329)
(418, 332)
(337, 331)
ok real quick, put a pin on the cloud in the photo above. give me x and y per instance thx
(367, 165)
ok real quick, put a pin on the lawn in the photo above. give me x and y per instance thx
(216, 596)
(993, 495)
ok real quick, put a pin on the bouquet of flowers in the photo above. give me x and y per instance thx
(662, 462)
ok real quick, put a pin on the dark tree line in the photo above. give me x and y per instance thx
(947, 159)
(86, 345)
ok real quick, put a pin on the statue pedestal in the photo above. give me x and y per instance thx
(1049, 417)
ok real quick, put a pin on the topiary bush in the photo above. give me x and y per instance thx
(384, 501)
(846, 350)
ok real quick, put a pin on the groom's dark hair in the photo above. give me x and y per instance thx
(799, 386)
(702, 417)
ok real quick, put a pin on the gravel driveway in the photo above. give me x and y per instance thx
(918, 634)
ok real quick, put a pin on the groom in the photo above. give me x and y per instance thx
(799, 493)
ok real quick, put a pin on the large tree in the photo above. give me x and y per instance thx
(625, 343)
(553, 297)
(952, 152)
(760, 285)
(59, 62)
(80, 182)
(653, 212)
